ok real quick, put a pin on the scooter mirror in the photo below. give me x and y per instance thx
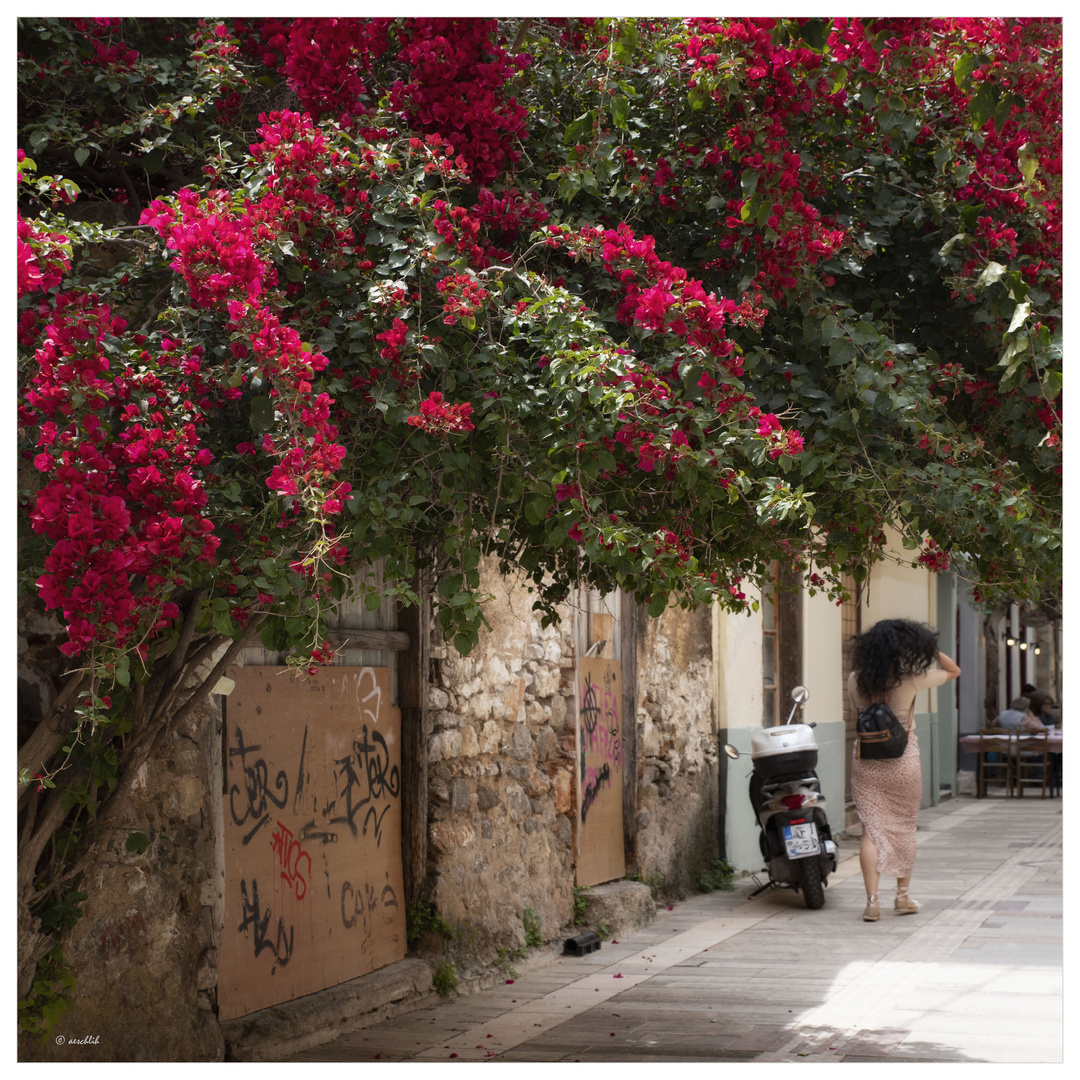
(730, 751)
(800, 694)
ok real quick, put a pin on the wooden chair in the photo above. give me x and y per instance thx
(996, 760)
(1032, 761)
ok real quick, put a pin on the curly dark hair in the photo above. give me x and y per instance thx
(890, 650)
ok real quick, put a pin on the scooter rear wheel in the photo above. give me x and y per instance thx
(810, 882)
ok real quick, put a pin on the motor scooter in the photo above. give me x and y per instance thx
(786, 795)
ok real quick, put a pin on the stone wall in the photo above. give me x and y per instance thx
(144, 951)
(501, 795)
(678, 767)
(500, 802)
(500, 777)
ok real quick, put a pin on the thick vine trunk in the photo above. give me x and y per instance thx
(159, 707)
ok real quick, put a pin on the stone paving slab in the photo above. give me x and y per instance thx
(976, 976)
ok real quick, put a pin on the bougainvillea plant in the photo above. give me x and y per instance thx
(634, 303)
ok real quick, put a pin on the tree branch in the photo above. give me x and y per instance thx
(47, 737)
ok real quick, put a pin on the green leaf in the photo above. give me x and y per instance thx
(992, 273)
(815, 32)
(951, 243)
(81, 155)
(274, 636)
(620, 111)
(137, 842)
(52, 1011)
(1029, 164)
(865, 333)
(577, 129)
(1019, 317)
(983, 103)
(1004, 108)
(658, 605)
(261, 411)
(962, 71)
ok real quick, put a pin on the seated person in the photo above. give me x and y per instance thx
(1017, 716)
(1042, 708)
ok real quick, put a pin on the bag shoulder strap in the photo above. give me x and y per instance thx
(909, 721)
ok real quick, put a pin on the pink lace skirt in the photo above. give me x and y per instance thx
(887, 795)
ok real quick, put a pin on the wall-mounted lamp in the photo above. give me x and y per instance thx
(1023, 644)
(1010, 642)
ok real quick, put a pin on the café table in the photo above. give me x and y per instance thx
(970, 743)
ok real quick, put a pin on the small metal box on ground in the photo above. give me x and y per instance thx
(583, 944)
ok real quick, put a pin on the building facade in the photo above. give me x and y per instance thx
(407, 808)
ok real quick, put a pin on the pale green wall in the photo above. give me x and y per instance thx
(737, 649)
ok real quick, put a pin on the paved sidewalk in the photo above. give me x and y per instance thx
(976, 976)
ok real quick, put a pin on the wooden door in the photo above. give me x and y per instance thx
(313, 871)
(600, 744)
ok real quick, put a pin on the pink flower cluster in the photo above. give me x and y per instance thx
(462, 297)
(42, 258)
(217, 256)
(443, 419)
(660, 296)
(215, 252)
(323, 59)
(116, 57)
(781, 441)
(455, 88)
(121, 504)
(460, 231)
(788, 83)
(933, 557)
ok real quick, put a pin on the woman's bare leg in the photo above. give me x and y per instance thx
(868, 860)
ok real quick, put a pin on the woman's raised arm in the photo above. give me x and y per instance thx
(948, 665)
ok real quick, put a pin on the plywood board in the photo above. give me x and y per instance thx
(600, 772)
(313, 874)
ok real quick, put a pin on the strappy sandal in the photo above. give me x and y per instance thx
(904, 905)
(873, 909)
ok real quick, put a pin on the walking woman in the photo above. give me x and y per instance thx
(892, 663)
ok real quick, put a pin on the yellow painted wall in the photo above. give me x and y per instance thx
(898, 592)
(737, 658)
(902, 592)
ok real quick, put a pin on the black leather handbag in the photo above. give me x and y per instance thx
(878, 734)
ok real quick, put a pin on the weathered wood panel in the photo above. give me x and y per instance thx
(600, 779)
(313, 883)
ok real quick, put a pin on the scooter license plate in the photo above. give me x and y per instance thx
(801, 841)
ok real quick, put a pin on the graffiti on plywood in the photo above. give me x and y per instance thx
(600, 740)
(313, 879)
